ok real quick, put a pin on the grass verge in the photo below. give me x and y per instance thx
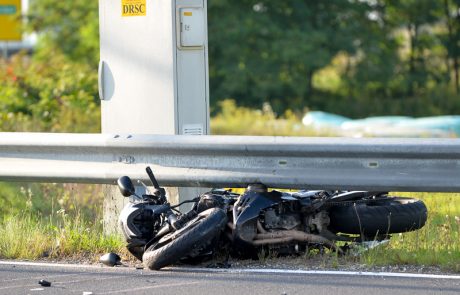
(27, 235)
(57, 221)
(436, 244)
(70, 234)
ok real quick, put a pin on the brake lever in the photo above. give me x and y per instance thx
(144, 185)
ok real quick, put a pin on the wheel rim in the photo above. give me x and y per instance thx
(168, 238)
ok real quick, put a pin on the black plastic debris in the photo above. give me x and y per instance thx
(44, 283)
(110, 259)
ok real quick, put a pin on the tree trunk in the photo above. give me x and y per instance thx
(449, 30)
(452, 43)
(457, 86)
(456, 61)
(413, 33)
(347, 74)
(309, 87)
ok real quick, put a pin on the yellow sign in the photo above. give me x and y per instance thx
(133, 7)
(10, 20)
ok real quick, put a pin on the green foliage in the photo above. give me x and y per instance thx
(397, 57)
(269, 51)
(47, 198)
(236, 120)
(10, 199)
(70, 26)
(55, 89)
(54, 95)
(355, 58)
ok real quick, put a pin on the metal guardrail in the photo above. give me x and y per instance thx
(234, 161)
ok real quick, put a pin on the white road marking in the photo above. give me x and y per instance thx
(26, 263)
(61, 283)
(36, 278)
(17, 286)
(316, 272)
(86, 280)
(150, 287)
(253, 270)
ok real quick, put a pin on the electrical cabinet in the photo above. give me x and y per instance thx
(153, 71)
(192, 29)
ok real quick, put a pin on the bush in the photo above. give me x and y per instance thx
(55, 95)
(234, 120)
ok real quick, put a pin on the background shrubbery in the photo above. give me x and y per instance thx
(48, 94)
(354, 58)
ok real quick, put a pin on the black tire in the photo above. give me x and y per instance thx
(195, 235)
(385, 216)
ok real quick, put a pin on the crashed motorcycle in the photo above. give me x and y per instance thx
(259, 220)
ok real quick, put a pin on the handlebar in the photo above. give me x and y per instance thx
(152, 178)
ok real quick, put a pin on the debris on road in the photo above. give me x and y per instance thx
(44, 283)
(110, 259)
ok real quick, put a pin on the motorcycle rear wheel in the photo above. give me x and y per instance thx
(195, 235)
(386, 216)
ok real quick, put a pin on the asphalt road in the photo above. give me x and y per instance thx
(23, 279)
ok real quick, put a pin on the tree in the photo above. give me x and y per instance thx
(374, 70)
(56, 88)
(270, 50)
(417, 17)
(68, 26)
(55, 95)
(397, 53)
(452, 20)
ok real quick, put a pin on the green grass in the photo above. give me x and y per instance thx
(29, 236)
(72, 228)
(436, 244)
(53, 221)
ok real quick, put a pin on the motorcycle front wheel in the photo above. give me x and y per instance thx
(195, 235)
(380, 217)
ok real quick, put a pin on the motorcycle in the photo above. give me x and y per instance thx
(282, 222)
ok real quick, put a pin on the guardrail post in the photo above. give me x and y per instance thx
(153, 72)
